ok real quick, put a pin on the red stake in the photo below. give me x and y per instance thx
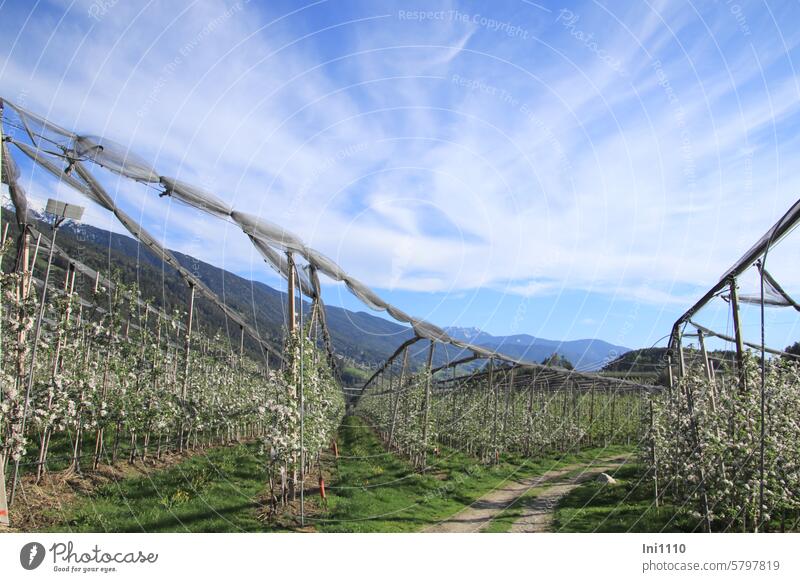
(322, 488)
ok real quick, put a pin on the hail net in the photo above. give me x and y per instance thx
(54, 146)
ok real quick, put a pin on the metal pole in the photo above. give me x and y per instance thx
(737, 333)
(36, 334)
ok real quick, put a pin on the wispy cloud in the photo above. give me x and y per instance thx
(441, 154)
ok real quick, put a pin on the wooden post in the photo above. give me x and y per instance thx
(704, 353)
(290, 292)
(509, 388)
(737, 329)
(493, 391)
(591, 416)
(654, 455)
(186, 367)
(427, 407)
(693, 424)
(670, 375)
(681, 359)
(3, 500)
(397, 396)
(529, 440)
(33, 262)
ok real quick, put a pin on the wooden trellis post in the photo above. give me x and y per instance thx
(241, 344)
(670, 376)
(427, 407)
(290, 293)
(186, 366)
(493, 391)
(704, 354)
(591, 416)
(693, 424)
(737, 333)
(654, 455)
(529, 440)
(4, 521)
(509, 386)
(681, 358)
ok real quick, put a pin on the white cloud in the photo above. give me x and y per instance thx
(555, 173)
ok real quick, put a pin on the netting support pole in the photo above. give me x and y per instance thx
(36, 335)
(529, 439)
(654, 457)
(290, 292)
(426, 411)
(493, 392)
(708, 368)
(188, 353)
(3, 503)
(737, 332)
(397, 396)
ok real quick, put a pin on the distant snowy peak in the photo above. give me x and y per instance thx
(584, 354)
(468, 334)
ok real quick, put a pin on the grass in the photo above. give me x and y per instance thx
(626, 506)
(369, 490)
(211, 492)
(378, 492)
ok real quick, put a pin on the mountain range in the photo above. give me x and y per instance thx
(584, 354)
(363, 340)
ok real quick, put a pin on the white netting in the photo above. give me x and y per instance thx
(15, 190)
(268, 232)
(38, 126)
(774, 294)
(325, 265)
(367, 295)
(196, 197)
(265, 235)
(49, 165)
(430, 331)
(280, 263)
(114, 157)
(398, 314)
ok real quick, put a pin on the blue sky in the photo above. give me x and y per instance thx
(567, 170)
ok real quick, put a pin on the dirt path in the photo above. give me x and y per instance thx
(538, 514)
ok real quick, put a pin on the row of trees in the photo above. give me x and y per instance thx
(127, 381)
(711, 454)
(498, 410)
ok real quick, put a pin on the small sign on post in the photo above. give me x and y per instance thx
(3, 501)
